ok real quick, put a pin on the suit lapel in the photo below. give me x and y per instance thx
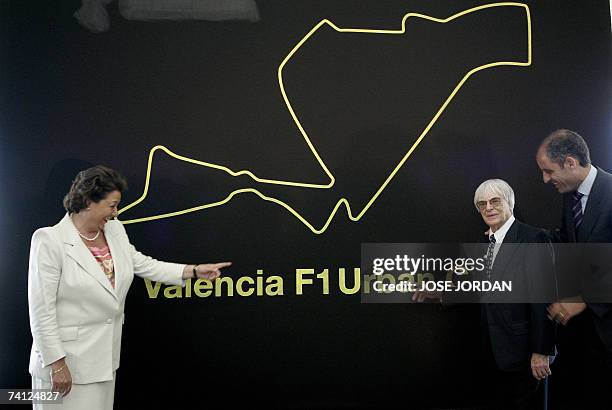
(570, 229)
(593, 208)
(505, 253)
(76, 249)
(116, 255)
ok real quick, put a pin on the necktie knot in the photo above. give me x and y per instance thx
(492, 238)
(577, 196)
(577, 209)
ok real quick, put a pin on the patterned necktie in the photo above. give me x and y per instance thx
(489, 255)
(577, 209)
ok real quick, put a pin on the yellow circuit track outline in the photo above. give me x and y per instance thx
(332, 180)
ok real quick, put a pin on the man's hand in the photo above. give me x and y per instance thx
(421, 295)
(563, 312)
(540, 366)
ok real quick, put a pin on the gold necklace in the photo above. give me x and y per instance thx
(90, 239)
(83, 236)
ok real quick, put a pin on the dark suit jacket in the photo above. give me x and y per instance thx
(516, 330)
(596, 227)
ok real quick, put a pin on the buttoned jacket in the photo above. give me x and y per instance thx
(74, 310)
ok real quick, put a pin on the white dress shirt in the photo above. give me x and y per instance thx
(499, 235)
(585, 187)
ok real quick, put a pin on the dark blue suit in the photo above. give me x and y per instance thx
(512, 332)
(516, 330)
(596, 227)
(585, 345)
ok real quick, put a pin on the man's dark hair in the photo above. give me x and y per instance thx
(93, 184)
(565, 143)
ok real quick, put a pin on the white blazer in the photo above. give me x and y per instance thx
(74, 310)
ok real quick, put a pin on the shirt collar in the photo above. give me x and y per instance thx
(585, 187)
(500, 234)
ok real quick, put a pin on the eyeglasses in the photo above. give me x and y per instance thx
(495, 203)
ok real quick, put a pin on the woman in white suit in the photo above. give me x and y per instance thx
(79, 275)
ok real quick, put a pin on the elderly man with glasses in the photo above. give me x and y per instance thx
(518, 339)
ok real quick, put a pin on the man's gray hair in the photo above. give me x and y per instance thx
(565, 143)
(492, 188)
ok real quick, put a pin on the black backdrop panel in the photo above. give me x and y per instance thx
(210, 91)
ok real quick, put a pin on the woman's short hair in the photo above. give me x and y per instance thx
(93, 184)
(494, 187)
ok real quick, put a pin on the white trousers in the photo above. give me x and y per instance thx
(93, 396)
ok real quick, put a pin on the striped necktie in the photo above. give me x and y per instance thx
(577, 209)
(489, 256)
